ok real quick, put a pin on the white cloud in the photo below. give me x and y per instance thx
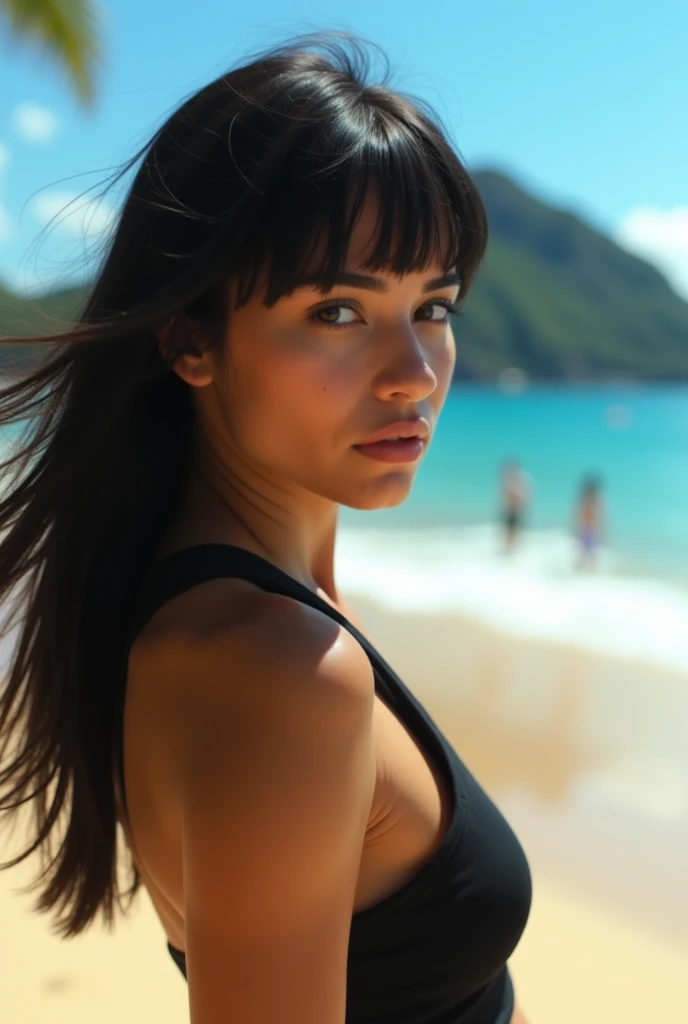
(661, 237)
(75, 215)
(34, 123)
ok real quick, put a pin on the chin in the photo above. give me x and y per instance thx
(387, 493)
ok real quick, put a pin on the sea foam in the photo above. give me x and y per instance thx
(536, 591)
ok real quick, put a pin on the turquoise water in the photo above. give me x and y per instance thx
(636, 438)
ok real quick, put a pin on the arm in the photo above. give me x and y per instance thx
(275, 786)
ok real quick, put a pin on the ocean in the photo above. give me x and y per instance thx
(441, 550)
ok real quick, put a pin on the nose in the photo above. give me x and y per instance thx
(405, 372)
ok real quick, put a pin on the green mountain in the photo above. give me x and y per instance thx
(560, 300)
(554, 297)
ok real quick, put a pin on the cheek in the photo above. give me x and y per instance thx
(310, 381)
(315, 404)
(285, 401)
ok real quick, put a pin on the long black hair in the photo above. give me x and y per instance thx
(239, 184)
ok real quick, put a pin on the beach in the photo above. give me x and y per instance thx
(583, 753)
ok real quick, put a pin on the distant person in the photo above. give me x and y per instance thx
(515, 495)
(589, 521)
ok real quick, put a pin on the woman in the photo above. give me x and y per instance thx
(589, 521)
(268, 339)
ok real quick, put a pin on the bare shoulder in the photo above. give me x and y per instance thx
(229, 646)
(272, 766)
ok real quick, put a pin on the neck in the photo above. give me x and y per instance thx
(292, 528)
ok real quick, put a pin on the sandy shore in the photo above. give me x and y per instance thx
(586, 757)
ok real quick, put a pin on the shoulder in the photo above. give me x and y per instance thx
(228, 657)
(229, 622)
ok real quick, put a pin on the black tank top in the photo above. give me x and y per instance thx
(434, 952)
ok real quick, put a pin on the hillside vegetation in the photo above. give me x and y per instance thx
(560, 300)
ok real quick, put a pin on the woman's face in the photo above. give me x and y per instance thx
(298, 386)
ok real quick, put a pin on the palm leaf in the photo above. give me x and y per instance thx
(67, 29)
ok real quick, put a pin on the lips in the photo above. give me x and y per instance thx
(401, 430)
(404, 449)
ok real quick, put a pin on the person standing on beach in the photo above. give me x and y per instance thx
(267, 339)
(515, 495)
(589, 521)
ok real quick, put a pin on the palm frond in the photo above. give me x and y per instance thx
(67, 30)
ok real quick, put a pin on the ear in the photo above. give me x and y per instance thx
(193, 366)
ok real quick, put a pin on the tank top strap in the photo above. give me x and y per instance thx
(193, 566)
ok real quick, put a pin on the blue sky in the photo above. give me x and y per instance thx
(585, 104)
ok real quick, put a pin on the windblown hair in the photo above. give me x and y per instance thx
(240, 184)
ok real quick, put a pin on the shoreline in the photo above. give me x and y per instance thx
(469, 622)
(536, 594)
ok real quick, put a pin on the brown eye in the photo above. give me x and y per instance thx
(331, 315)
(437, 312)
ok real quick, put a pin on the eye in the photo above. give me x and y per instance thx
(330, 315)
(438, 311)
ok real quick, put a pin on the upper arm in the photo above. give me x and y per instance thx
(275, 784)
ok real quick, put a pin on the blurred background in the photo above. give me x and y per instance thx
(533, 590)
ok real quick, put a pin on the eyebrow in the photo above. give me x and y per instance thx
(375, 284)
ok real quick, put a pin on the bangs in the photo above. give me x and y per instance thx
(301, 224)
